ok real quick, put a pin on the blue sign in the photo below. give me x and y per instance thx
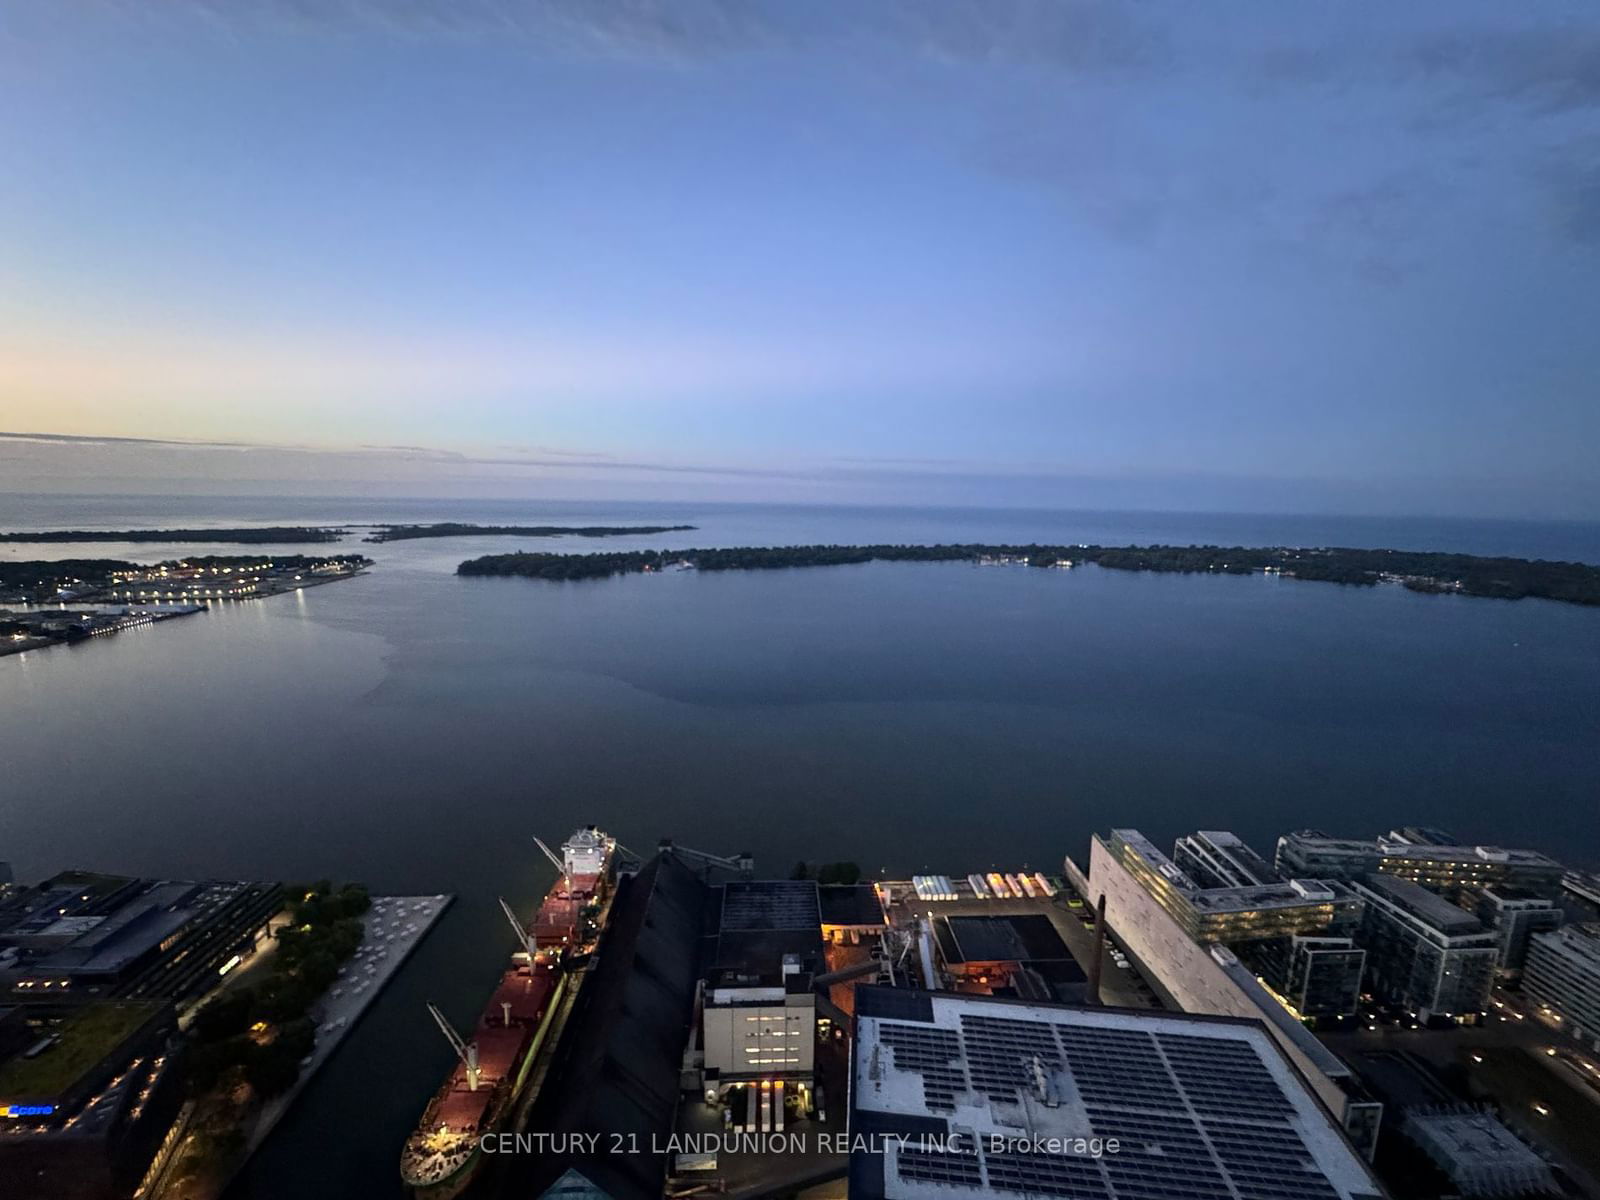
(27, 1110)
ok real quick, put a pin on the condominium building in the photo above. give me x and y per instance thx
(1295, 934)
(1454, 870)
(1516, 914)
(1563, 973)
(1423, 952)
(1209, 978)
(1216, 858)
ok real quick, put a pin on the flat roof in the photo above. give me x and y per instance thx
(82, 1042)
(766, 904)
(1471, 1141)
(758, 922)
(1003, 939)
(968, 1096)
(1291, 894)
(1427, 906)
(850, 904)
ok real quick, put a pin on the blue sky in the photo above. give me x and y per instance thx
(1261, 256)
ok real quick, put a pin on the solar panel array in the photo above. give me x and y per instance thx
(770, 904)
(1197, 1117)
(999, 1052)
(931, 1052)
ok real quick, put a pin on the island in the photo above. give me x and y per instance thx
(256, 535)
(197, 578)
(1420, 571)
(401, 533)
(78, 598)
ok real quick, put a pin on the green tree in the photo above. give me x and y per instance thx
(271, 1071)
(225, 1016)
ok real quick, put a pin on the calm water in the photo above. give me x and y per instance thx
(415, 730)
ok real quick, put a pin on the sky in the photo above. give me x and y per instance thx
(1243, 256)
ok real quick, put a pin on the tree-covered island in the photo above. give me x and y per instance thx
(258, 535)
(1421, 571)
(401, 533)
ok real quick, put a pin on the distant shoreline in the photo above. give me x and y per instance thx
(289, 535)
(281, 535)
(401, 533)
(1431, 572)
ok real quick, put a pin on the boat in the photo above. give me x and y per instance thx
(518, 1025)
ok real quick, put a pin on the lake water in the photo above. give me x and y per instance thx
(415, 730)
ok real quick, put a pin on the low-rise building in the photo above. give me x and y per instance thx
(1007, 955)
(81, 937)
(1476, 1152)
(1423, 952)
(86, 1104)
(965, 1096)
(1563, 973)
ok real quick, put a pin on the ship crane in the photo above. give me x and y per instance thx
(743, 863)
(524, 938)
(467, 1052)
(559, 863)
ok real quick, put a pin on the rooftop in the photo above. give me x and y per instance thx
(1434, 910)
(82, 1042)
(850, 904)
(757, 922)
(1582, 940)
(990, 1096)
(1293, 893)
(1000, 939)
(1468, 1142)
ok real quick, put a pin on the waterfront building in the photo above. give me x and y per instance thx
(1007, 955)
(1234, 914)
(1516, 914)
(1215, 858)
(1210, 979)
(1423, 952)
(850, 912)
(80, 937)
(971, 1096)
(758, 1007)
(86, 1100)
(1295, 933)
(1563, 973)
(1456, 871)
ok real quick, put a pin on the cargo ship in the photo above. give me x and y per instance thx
(518, 1026)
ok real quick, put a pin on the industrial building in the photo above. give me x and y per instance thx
(1563, 973)
(1210, 979)
(85, 1099)
(970, 1096)
(758, 1006)
(1008, 956)
(1296, 934)
(1424, 953)
(80, 937)
(1449, 868)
